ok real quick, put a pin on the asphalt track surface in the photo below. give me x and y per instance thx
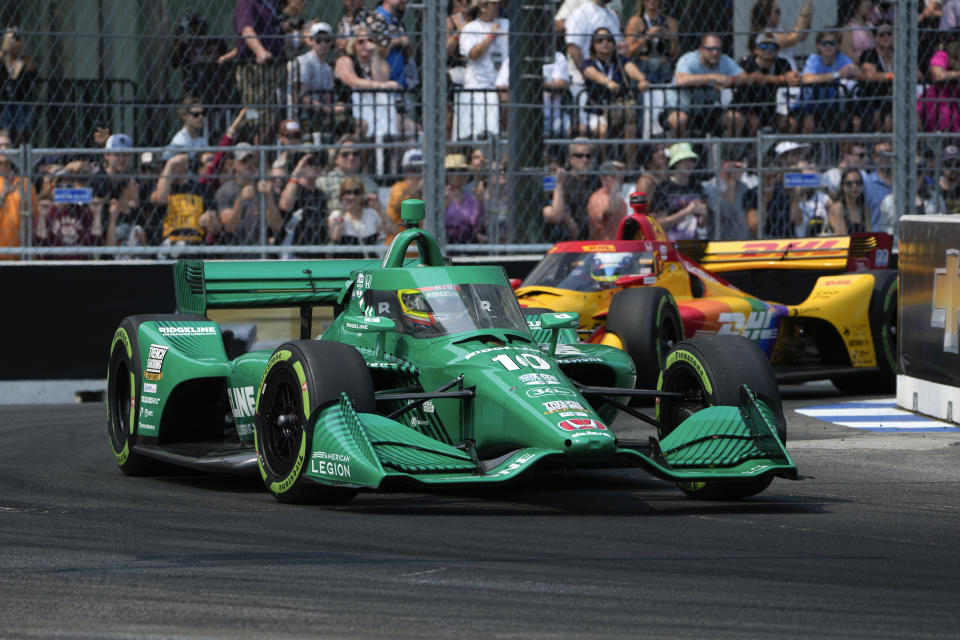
(865, 549)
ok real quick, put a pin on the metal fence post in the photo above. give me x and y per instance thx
(904, 107)
(434, 69)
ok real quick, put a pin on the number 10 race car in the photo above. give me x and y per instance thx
(429, 375)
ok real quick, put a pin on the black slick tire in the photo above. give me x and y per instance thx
(301, 378)
(714, 368)
(647, 322)
(123, 399)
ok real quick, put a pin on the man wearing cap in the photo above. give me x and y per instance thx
(464, 216)
(238, 201)
(701, 75)
(347, 164)
(289, 134)
(114, 165)
(679, 203)
(606, 206)
(316, 76)
(411, 186)
(767, 73)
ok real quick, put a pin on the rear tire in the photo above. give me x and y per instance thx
(647, 322)
(716, 367)
(883, 316)
(302, 378)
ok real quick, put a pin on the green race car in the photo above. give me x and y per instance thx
(429, 374)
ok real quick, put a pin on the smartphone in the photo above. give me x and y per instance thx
(252, 114)
(549, 183)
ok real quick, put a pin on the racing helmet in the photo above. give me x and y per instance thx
(607, 267)
(430, 306)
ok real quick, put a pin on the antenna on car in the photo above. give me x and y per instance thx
(412, 212)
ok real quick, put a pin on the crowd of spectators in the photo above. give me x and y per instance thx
(336, 88)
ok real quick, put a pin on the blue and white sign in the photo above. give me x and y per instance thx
(876, 415)
(72, 196)
(801, 180)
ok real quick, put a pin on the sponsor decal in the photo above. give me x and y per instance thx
(945, 312)
(516, 464)
(759, 325)
(568, 350)
(597, 248)
(146, 413)
(144, 427)
(553, 406)
(837, 283)
(188, 331)
(335, 465)
(491, 349)
(155, 356)
(242, 402)
(149, 387)
(150, 400)
(539, 392)
(576, 424)
(591, 433)
(538, 378)
(428, 407)
(573, 414)
(689, 358)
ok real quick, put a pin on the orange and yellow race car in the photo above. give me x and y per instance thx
(835, 314)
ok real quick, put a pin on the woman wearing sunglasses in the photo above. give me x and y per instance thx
(849, 213)
(360, 218)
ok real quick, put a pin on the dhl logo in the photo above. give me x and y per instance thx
(754, 249)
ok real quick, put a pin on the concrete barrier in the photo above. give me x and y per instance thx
(929, 372)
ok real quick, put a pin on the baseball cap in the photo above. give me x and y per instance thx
(412, 158)
(242, 150)
(681, 151)
(320, 27)
(787, 147)
(951, 152)
(455, 162)
(767, 37)
(119, 141)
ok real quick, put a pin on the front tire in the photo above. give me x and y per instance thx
(302, 378)
(714, 368)
(647, 323)
(123, 399)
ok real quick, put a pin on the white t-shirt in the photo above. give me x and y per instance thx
(587, 18)
(569, 5)
(482, 72)
(368, 224)
(812, 208)
(556, 70)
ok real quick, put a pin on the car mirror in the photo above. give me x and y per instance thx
(373, 324)
(554, 322)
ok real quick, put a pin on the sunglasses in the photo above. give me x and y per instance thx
(197, 114)
(350, 192)
(768, 46)
(884, 33)
(322, 39)
(602, 39)
(711, 49)
(348, 154)
(853, 183)
(363, 40)
(828, 43)
(580, 155)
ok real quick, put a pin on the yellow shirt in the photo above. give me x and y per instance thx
(10, 214)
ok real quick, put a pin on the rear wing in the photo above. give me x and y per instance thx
(220, 284)
(857, 252)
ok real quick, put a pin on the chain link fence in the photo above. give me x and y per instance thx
(136, 129)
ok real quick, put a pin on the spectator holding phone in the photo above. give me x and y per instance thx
(606, 207)
(189, 218)
(303, 205)
(359, 220)
(74, 224)
(679, 203)
(238, 201)
(565, 217)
